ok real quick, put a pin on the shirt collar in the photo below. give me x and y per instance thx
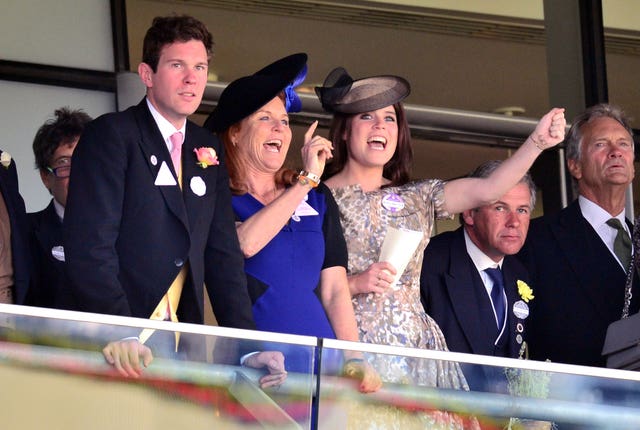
(59, 209)
(479, 258)
(166, 128)
(596, 216)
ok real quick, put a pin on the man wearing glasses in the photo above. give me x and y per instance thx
(53, 146)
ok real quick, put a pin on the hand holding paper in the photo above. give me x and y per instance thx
(376, 279)
(398, 247)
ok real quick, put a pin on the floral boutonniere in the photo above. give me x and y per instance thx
(206, 157)
(5, 159)
(525, 291)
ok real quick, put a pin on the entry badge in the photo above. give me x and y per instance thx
(393, 202)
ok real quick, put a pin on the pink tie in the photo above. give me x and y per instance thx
(176, 149)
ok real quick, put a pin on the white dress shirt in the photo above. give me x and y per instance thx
(166, 128)
(482, 262)
(597, 218)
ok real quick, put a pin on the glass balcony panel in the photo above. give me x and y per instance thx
(58, 378)
(53, 362)
(504, 393)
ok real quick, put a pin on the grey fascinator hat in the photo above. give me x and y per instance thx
(341, 93)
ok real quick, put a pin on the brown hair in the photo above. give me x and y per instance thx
(166, 30)
(397, 170)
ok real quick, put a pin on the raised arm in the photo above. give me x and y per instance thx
(468, 193)
(258, 230)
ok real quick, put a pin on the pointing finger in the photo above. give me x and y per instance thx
(309, 134)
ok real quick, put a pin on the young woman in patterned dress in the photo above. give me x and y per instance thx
(369, 178)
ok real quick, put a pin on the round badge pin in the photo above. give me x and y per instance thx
(521, 309)
(198, 186)
(519, 328)
(519, 339)
(393, 202)
(154, 160)
(58, 252)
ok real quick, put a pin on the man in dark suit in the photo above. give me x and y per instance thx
(148, 221)
(15, 264)
(579, 279)
(457, 284)
(53, 147)
(456, 290)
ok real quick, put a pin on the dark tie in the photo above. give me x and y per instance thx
(622, 243)
(497, 296)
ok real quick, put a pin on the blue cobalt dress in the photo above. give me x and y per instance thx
(284, 277)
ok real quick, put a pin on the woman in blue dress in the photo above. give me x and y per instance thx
(287, 222)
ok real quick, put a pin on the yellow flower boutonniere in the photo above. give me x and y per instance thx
(206, 157)
(525, 291)
(5, 159)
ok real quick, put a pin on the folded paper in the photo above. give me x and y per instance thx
(398, 247)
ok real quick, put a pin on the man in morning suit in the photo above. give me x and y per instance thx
(53, 147)
(15, 264)
(148, 221)
(458, 285)
(579, 281)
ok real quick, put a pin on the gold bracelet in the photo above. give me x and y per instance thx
(305, 178)
(540, 146)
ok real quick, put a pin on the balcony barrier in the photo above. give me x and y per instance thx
(54, 376)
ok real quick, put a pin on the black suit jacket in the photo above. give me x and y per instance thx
(579, 288)
(19, 231)
(49, 284)
(454, 295)
(126, 238)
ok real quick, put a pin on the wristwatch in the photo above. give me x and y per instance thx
(308, 178)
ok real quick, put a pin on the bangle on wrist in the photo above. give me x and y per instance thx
(305, 178)
(539, 145)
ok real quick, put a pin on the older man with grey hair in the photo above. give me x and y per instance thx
(579, 257)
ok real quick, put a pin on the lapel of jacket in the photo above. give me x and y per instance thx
(155, 149)
(511, 290)
(468, 299)
(572, 233)
(197, 183)
(51, 234)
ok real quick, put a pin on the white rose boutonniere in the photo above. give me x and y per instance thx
(5, 159)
